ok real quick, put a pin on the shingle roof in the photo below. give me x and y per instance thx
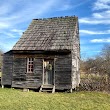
(48, 34)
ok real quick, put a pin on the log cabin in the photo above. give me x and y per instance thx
(46, 57)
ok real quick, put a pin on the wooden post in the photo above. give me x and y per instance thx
(2, 86)
(71, 90)
(54, 75)
(53, 90)
(43, 73)
(25, 90)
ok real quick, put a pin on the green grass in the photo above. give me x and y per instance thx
(11, 99)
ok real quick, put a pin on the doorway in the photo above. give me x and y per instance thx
(48, 74)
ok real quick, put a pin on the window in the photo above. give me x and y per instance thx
(30, 65)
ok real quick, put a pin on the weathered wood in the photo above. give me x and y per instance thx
(34, 80)
(63, 71)
(75, 58)
(7, 69)
(23, 79)
(19, 72)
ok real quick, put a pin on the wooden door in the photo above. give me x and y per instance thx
(48, 72)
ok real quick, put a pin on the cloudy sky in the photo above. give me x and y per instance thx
(94, 20)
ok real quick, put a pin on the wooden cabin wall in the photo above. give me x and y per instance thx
(21, 78)
(7, 69)
(19, 72)
(75, 59)
(34, 80)
(63, 72)
(15, 71)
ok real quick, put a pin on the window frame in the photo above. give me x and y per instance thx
(30, 65)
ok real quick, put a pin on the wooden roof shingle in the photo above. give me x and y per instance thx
(48, 34)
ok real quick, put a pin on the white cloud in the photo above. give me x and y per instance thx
(101, 4)
(17, 31)
(27, 11)
(14, 33)
(9, 35)
(3, 25)
(102, 16)
(97, 15)
(93, 21)
(97, 18)
(107, 40)
(94, 32)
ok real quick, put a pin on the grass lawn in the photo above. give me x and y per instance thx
(11, 99)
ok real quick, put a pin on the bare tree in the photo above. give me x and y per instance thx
(100, 64)
(106, 59)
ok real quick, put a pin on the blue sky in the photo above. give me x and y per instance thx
(94, 20)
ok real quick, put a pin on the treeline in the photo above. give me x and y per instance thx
(99, 64)
(95, 72)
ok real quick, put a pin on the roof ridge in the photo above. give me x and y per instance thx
(56, 17)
